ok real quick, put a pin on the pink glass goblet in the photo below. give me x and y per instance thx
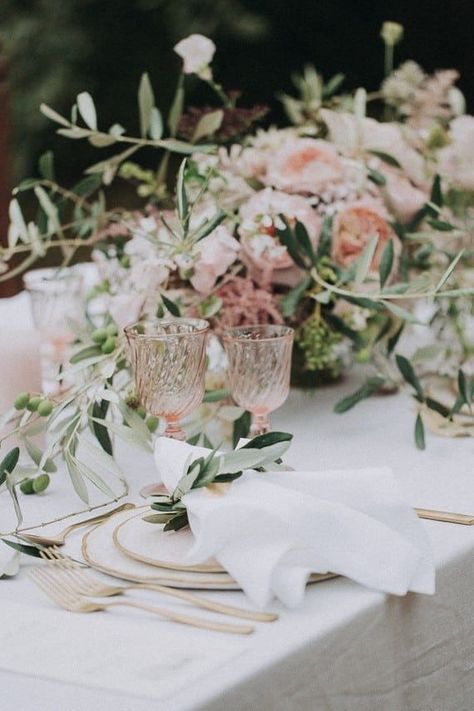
(57, 302)
(168, 360)
(259, 369)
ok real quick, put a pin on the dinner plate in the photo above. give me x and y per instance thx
(148, 543)
(99, 551)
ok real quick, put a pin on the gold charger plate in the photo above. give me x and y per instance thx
(99, 551)
(149, 544)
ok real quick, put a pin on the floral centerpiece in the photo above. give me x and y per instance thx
(349, 224)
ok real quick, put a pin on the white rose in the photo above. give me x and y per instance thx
(197, 52)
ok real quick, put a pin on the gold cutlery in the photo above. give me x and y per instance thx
(52, 583)
(85, 583)
(60, 538)
(446, 516)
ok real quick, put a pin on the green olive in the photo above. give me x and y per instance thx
(109, 345)
(363, 356)
(99, 335)
(45, 408)
(21, 401)
(112, 329)
(34, 403)
(26, 487)
(141, 412)
(152, 423)
(40, 483)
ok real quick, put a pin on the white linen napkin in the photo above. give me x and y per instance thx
(271, 530)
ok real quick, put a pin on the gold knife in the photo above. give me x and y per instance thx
(446, 516)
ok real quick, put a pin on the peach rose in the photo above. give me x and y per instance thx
(355, 226)
(266, 259)
(304, 165)
(217, 252)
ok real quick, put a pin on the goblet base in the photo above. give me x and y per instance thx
(260, 425)
(174, 430)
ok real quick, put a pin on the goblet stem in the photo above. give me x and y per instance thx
(174, 430)
(260, 424)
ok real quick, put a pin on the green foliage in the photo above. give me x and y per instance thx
(370, 387)
(317, 340)
(264, 450)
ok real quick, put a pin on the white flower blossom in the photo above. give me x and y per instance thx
(197, 52)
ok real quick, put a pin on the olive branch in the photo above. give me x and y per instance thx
(259, 453)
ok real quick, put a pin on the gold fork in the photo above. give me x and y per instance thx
(87, 584)
(52, 582)
(60, 538)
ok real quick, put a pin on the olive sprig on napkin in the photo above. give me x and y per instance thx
(217, 468)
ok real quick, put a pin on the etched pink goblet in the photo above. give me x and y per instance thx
(259, 369)
(169, 361)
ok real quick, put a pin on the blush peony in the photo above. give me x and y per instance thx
(304, 165)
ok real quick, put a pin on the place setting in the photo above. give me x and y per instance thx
(216, 506)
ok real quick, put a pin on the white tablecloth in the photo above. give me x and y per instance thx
(346, 649)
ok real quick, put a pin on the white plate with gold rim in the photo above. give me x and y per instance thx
(150, 544)
(100, 552)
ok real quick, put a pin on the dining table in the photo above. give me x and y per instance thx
(346, 648)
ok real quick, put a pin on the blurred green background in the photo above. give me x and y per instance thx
(57, 48)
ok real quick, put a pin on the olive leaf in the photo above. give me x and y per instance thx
(364, 262)
(172, 306)
(419, 433)
(208, 225)
(46, 165)
(8, 463)
(370, 386)
(85, 353)
(208, 125)
(288, 239)
(99, 412)
(181, 195)
(241, 428)
(376, 177)
(324, 245)
(449, 270)
(146, 102)
(386, 262)
(409, 375)
(290, 301)
(216, 395)
(386, 157)
(85, 104)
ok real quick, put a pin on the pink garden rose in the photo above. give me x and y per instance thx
(355, 226)
(266, 259)
(304, 165)
(217, 252)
